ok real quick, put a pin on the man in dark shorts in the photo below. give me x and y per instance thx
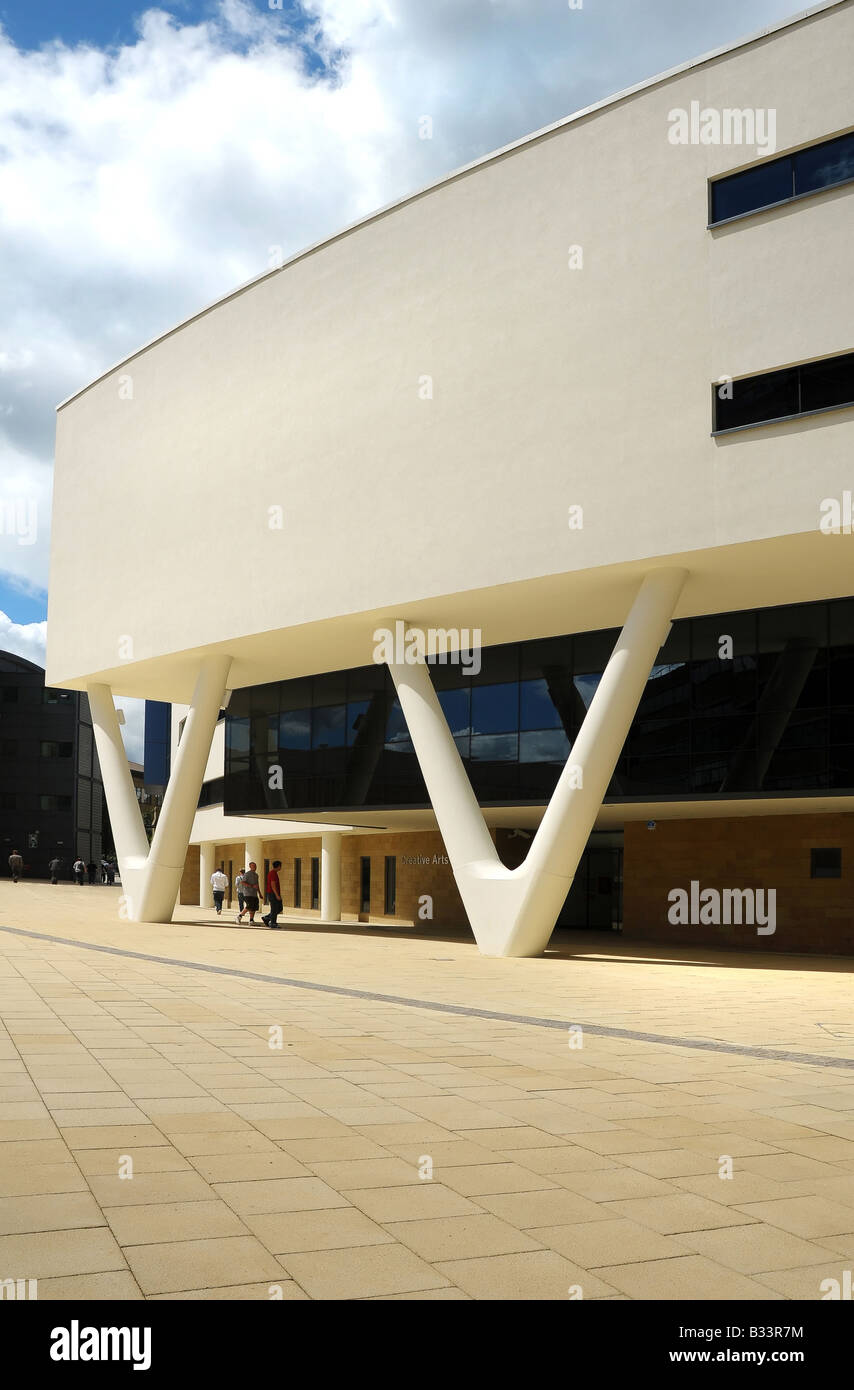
(274, 896)
(251, 890)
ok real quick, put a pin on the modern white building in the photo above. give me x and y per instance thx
(586, 405)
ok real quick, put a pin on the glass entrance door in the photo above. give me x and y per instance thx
(595, 900)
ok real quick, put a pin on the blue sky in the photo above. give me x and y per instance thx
(152, 158)
(104, 23)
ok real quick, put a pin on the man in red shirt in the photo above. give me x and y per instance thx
(274, 896)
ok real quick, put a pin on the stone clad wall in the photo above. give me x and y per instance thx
(768, 852)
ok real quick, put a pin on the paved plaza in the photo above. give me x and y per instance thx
(204, 1111)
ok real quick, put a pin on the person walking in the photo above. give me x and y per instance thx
(219, 883)
(238, 888)
(79, 871)
(274, 896)
(92, 871)
(251, 890)
(55, 866)
(16, 865)
(111, 872)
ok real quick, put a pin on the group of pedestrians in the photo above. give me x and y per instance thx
(247, 886)
(81, 872)
(87, 873)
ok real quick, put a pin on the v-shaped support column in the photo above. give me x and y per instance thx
(151, 877)
(512, 912)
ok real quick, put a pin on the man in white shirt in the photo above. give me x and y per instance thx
(219, 883)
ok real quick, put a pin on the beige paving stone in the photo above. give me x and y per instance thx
(18, 1131)
(41, 1178)
(741, 1188)
(279, 1194)
(170, 1221)
(365, 1117)
(459, 1237)
(620, 1141)
(669, 1126)
(736, 1145)
(37, 1152)
(804, 1216)
(329, 1228)
(475, 1179)
(842, 1245)
(520, 1137)
(178, 1266)
(839, 1189)
(754, 1249)
(282, 1290)
(553, 1208)
(428, 1199)
(121, 1137)
(118, 1285)
(789, 1167)
(447, 1295)
(592, 1244)
(686, 1279)
(239, 1167)
(106, 1162)
(455, 1113)
(44, 1212)
(243, 1141)
(143, 1189)
(558, 1158)
(365, 1272)
(72, 1252)
(66, 1119)
(367, 1172)
(334, 1149)
(671, 1163)
(532, 1276)
(612, 1184)
(826, 1148)
(804, 1284)
(302, 1127)
(673, 1214)
(185, 1121)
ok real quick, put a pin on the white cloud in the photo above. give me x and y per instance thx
(24, 639)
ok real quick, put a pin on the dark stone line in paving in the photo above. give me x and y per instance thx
(594, 1029)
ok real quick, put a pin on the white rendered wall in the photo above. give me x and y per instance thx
(549, 387)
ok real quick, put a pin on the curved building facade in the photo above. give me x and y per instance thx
(547, 475)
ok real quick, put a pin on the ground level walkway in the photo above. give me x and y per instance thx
(206, 1111)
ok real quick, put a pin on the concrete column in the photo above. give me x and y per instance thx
(255, 850)
(126, 821)
(172, 833)
(129, 835)
(513, 912)
(152, 877)
(207, 864)
(330, 876)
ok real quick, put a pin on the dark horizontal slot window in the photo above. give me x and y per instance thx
(828, 383)
(779, 180)
(754, 188)
(824, 165)
(756, 400)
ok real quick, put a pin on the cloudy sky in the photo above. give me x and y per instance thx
(150, 158)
